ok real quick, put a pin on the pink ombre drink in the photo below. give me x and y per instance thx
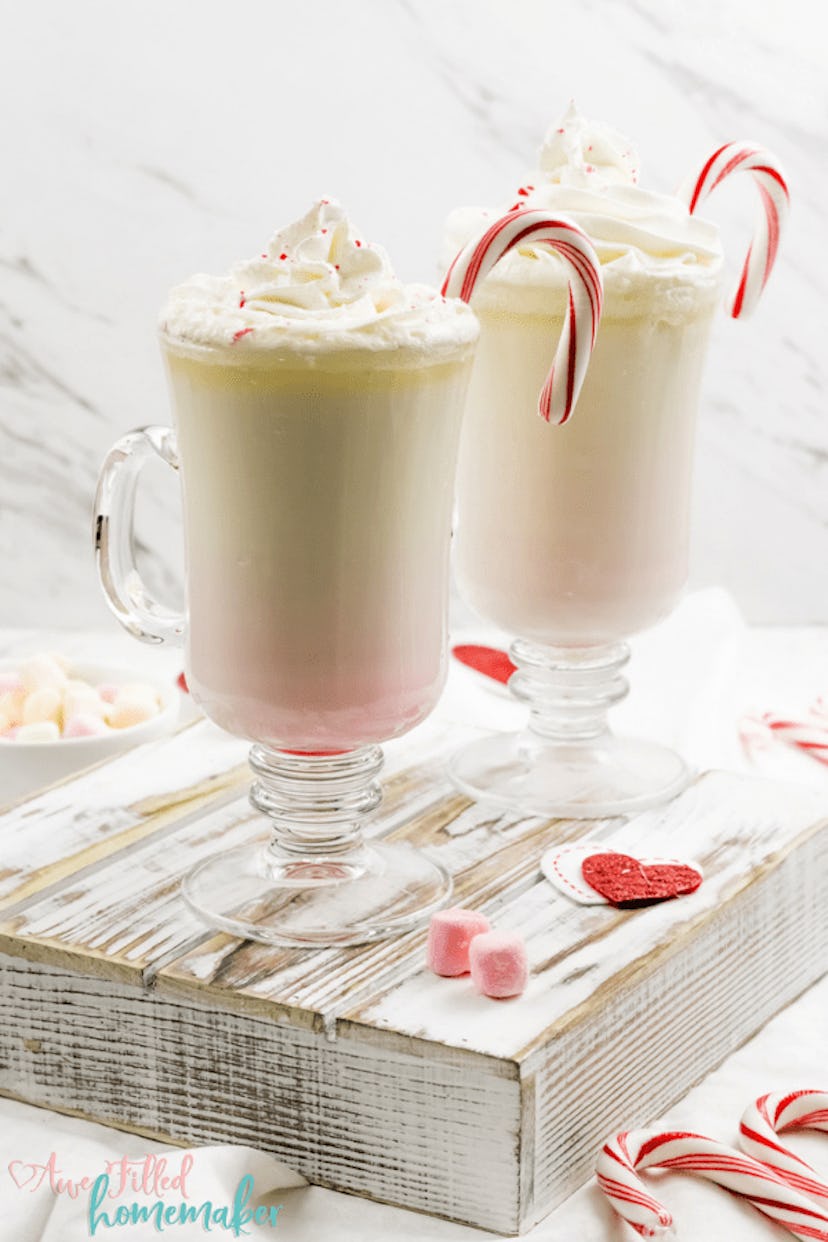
(317, 459)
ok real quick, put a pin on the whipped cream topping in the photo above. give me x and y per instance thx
(644, 240)
(319, 286)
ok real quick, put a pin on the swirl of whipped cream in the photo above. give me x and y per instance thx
(651, 249)
(319, 286)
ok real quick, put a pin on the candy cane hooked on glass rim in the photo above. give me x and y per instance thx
(775, 200)
(534, 227)
(770, 1116)
(624, 1156)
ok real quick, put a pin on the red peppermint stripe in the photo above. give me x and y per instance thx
(523, 226)
(736, 157)
(771, 1115)
(623, 1159)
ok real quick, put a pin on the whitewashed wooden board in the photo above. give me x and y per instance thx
(358, 1066)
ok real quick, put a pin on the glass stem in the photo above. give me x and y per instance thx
(317, 804)
(569, 690)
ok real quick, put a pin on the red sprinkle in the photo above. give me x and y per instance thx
(242, 299)
(264, 254)
(336, 265)
(283, 255)
(523, 191)
(324, 230)
(357, 243)
(515, 207)
(241, 332)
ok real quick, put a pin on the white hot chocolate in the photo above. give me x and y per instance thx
(317, 404)
(578, 535)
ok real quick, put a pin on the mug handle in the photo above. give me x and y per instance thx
(122, 585)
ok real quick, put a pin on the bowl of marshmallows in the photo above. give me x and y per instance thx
(59, 715)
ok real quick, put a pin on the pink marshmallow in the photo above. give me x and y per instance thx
(84, 724)
(499, 967)
(11, 683)
(449, 935)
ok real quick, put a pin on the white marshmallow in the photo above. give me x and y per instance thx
(40, 671)
(38, 731)
(127, 711)
(79, 699)
(11, 705)
(43, 704)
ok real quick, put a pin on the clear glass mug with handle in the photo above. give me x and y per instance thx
(317, 499)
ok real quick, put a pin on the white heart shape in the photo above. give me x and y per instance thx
(562, 867)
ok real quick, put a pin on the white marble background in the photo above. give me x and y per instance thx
(143, 141)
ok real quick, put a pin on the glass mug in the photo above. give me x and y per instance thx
(317, 501)
(576, 537)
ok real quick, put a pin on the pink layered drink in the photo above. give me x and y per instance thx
(578, 536)
(317, 405)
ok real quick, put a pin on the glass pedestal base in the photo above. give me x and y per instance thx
(604, 777)
(567, 763)
(316, 881)
(317, 901)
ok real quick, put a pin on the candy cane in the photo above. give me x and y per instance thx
(773, 192)
(586, 292)
(769, 1117)
(811, 737)
(628, 1152)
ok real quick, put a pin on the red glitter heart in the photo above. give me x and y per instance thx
(626, 882)
(487, 660)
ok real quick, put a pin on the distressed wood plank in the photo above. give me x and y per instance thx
(49, 837)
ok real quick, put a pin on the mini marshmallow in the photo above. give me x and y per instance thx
(38, 731)
(79, 699)
(127, 711)
(40, 671)
(11, 683)
(450, 933)
(43, 704)
(499, 967)
(11, 704)
(84, 724)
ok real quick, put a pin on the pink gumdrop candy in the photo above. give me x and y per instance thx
(84, 724)
(499, 967)
(449, 935)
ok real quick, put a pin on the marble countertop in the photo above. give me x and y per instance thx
(145, 142)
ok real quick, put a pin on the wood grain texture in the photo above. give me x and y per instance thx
(357, 1065)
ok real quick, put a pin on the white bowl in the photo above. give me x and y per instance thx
(28, 766)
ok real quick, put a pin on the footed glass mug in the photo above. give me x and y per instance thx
(317, 497)
(577, 537)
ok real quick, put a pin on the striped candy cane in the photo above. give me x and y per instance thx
(808, 736)
(624, 1156)
(533, 227)
(775, 200)
(769, 1117)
